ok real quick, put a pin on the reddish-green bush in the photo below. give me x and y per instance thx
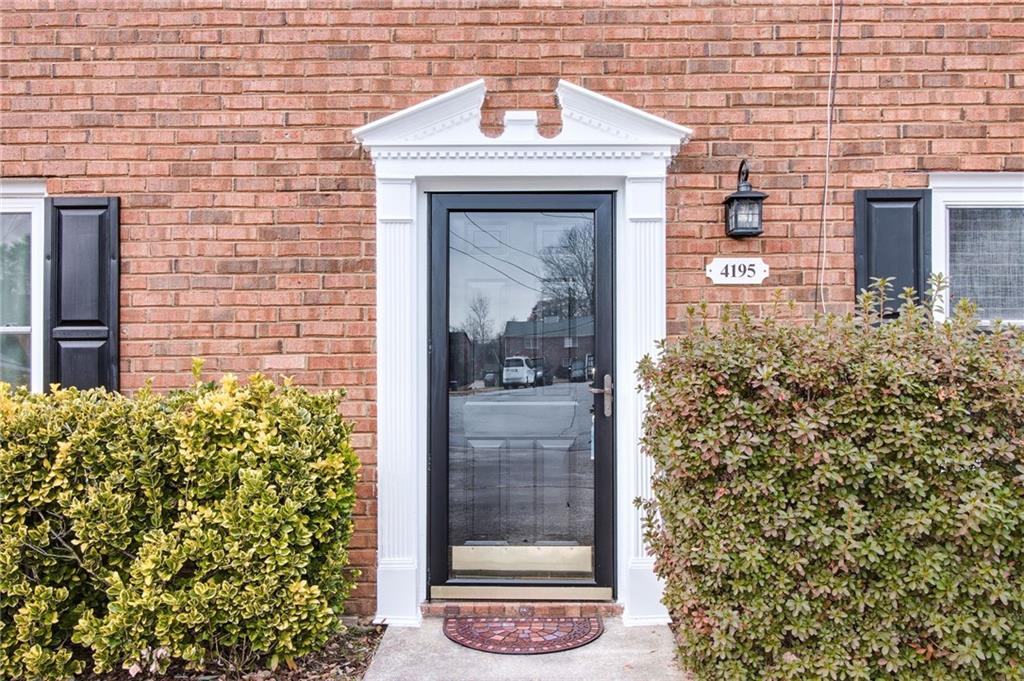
(842, 499)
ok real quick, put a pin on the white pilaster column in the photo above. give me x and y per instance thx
(399, 345)
(640, 324)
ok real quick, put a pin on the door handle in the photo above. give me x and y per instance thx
(607, 392)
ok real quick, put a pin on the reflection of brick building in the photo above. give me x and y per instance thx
(558, 341)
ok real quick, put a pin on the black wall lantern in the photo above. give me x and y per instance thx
(743, 207)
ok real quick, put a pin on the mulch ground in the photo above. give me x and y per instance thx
(344, 658)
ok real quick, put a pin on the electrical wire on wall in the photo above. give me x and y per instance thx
(834, 50)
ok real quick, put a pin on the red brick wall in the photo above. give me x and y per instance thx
(247, 211)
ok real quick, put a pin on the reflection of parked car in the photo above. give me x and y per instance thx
(490, 378)
(544, 375)
(577, 371)
(518, 371)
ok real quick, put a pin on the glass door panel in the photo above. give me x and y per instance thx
(521, 444)
(520, 432)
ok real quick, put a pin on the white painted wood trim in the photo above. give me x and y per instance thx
(438, 146)
(27, 196)
(640, 321)
(958, 190)
(983, 181)
(398, 402)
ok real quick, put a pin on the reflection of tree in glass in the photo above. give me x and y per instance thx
(16, 279)
(478, 325)
(569, 273)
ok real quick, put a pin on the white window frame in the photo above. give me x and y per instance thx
(967, 190)
(28, 196)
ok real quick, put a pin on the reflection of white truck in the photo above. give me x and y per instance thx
(518, 371)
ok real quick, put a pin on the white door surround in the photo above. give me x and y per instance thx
(437, 145)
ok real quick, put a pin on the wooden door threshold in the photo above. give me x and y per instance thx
(522, 593)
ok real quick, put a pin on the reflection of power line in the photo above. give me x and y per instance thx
(569, 216)
(482, 229)
(487, 264)
(507, 262)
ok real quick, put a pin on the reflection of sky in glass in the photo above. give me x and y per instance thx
(15, 269)
(497, 255)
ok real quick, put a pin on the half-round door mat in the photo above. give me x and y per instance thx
(522, 635)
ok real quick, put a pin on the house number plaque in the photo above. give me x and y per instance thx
(737, 270)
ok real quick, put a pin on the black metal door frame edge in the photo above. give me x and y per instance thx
(602, 204)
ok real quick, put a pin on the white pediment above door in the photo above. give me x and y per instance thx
(591, 124)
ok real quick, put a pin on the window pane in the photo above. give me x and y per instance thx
(986, 260)
(15, 352)
(15, 269)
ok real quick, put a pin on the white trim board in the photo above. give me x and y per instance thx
(27, 196)
(437, 145)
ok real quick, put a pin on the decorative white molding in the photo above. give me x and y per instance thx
(454, 115)
(586, 113)
(451, 124)
(516, 153)
(437, 145)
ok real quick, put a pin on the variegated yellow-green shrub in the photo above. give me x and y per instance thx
(842, 499)
(207, 526)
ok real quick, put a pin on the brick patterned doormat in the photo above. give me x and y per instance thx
(522, 635)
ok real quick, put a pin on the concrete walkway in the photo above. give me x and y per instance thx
(620, 654)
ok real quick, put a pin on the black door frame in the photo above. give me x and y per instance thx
(602, 205)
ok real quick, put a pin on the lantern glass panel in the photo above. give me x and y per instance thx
(747, 214)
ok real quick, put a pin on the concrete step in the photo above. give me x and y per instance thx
(621, 654)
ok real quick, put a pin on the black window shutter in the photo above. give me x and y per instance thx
(81, 292)
(892, 238)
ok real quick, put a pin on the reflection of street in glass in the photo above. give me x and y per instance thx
(520, 354)
(521, 467)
